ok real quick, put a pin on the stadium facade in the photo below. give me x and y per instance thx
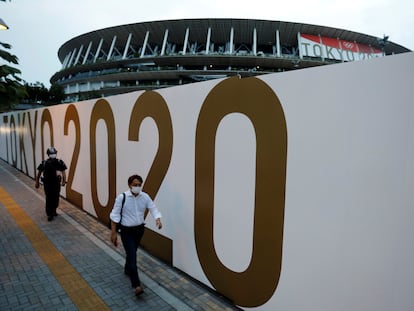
(153, 55)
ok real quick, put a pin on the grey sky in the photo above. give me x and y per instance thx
(39, 27)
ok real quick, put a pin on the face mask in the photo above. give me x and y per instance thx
(52, 156)
(136, 190)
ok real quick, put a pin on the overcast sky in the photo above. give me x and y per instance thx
(39, 27)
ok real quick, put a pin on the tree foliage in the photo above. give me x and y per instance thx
(56, 94)
(11, 87)
(13, 90)
(37, 93)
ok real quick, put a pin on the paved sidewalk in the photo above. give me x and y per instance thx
(33, 252)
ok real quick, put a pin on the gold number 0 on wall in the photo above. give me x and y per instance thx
(102, 111)
(253, 98)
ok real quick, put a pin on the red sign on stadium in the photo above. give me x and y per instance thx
(332, 48)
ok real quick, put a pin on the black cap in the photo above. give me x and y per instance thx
(51, 150)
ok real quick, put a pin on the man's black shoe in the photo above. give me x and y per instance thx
(49, 218)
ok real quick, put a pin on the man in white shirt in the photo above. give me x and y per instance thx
(128, 211)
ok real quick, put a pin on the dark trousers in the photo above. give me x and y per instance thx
(131, 237)
(52, 192)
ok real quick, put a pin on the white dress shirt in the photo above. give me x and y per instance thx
(134, 209)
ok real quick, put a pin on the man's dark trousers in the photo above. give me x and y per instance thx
(131, 238)
(52, 193)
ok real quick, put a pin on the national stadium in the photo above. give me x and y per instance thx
(158, 54)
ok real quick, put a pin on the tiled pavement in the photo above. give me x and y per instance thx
(27, 281)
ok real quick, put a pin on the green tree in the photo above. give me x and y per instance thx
(37, 93)
(56, 94)
(11, 88)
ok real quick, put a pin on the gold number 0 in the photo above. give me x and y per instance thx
(102, 111)
(46, 118)
(253, 98)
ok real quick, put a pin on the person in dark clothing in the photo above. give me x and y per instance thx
(53, 174)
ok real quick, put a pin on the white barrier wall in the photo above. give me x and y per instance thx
(290, 191)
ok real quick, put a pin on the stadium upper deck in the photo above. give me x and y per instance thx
(159, 54)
